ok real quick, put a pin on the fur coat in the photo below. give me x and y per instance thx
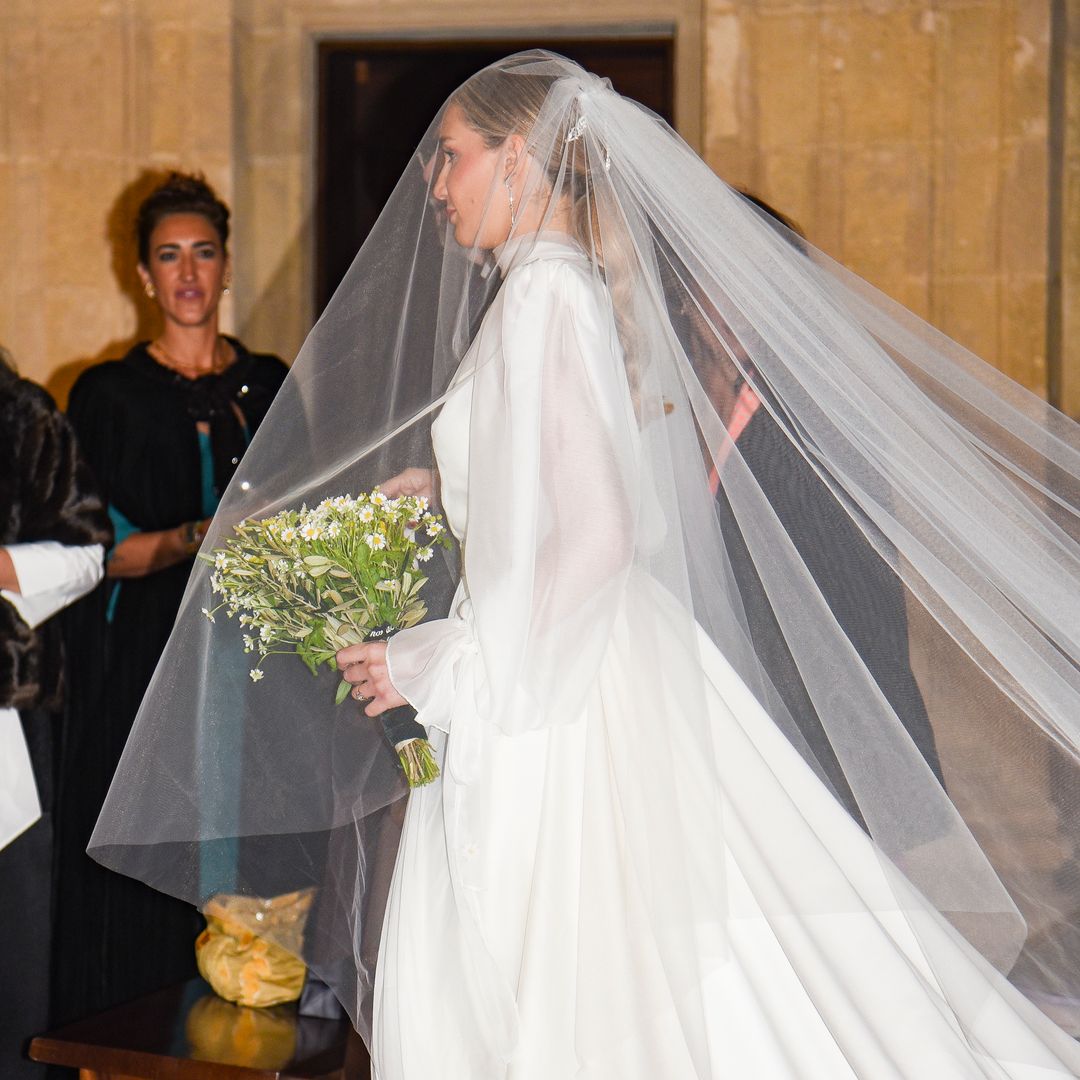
(46, 493)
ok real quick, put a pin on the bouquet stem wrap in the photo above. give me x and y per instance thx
(405, 733)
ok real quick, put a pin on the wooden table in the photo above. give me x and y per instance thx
(186, 1032)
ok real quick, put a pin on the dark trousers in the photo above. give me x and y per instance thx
(25, 940)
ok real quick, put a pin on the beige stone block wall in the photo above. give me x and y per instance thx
(1068, 224)
(93, 95)
(274, 173)
(910, 141)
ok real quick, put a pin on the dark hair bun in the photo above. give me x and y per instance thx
(181, 193)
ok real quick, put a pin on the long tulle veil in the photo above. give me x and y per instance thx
(907, 511)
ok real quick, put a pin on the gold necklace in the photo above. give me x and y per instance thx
(221, 359)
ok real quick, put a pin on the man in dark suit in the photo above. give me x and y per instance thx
(864, 593)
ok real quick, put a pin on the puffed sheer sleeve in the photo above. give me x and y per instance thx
(552, 509)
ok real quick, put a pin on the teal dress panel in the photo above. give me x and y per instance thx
(217, 869)
(210, 500)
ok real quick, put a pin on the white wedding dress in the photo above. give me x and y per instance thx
(518, 940)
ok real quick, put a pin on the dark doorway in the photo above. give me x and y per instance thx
(376, 100)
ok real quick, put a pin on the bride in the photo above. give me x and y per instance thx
(640, 859)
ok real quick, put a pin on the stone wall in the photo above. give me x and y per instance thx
(1065, 310)
(912, 141)
(94, 95)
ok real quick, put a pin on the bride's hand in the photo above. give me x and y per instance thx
(413, 481)
(365, 667)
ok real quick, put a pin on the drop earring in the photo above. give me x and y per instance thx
(150, 290)
(510, 197)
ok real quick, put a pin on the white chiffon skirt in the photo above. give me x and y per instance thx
(521, 939)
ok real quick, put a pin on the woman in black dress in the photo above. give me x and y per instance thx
(163, 429)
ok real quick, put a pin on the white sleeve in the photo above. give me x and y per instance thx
(19, 803)
(551, 512)
(52, 575)
(424, 667)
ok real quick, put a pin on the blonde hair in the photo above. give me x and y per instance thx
(497, 104)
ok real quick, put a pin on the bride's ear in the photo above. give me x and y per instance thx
(513, 158)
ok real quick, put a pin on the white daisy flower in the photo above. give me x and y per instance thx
(366, 514)
(311, 532)
(342, 502)
(288, 534)
(379, 499)
(249, 643)
(434, 529)
(221, 560)
(255, 674)
(332, 530)
(424, 553)
(422, 502)
(265, 633)
(375, 541)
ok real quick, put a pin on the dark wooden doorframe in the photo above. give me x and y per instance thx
(377, 98)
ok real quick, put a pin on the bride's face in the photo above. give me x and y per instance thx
(470, 184)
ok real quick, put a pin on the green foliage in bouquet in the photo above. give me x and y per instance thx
(310, 582)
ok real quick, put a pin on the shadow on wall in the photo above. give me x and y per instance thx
(273, 310)
(120, 235)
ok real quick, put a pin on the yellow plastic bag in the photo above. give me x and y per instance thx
(243, 965)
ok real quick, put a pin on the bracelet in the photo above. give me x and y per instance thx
(191, 533)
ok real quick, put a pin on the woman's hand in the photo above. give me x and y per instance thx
(144, 553)
(9, 579)
(365, 667)
(413, 481)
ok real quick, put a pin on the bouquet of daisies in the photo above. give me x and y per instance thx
(310, 582)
